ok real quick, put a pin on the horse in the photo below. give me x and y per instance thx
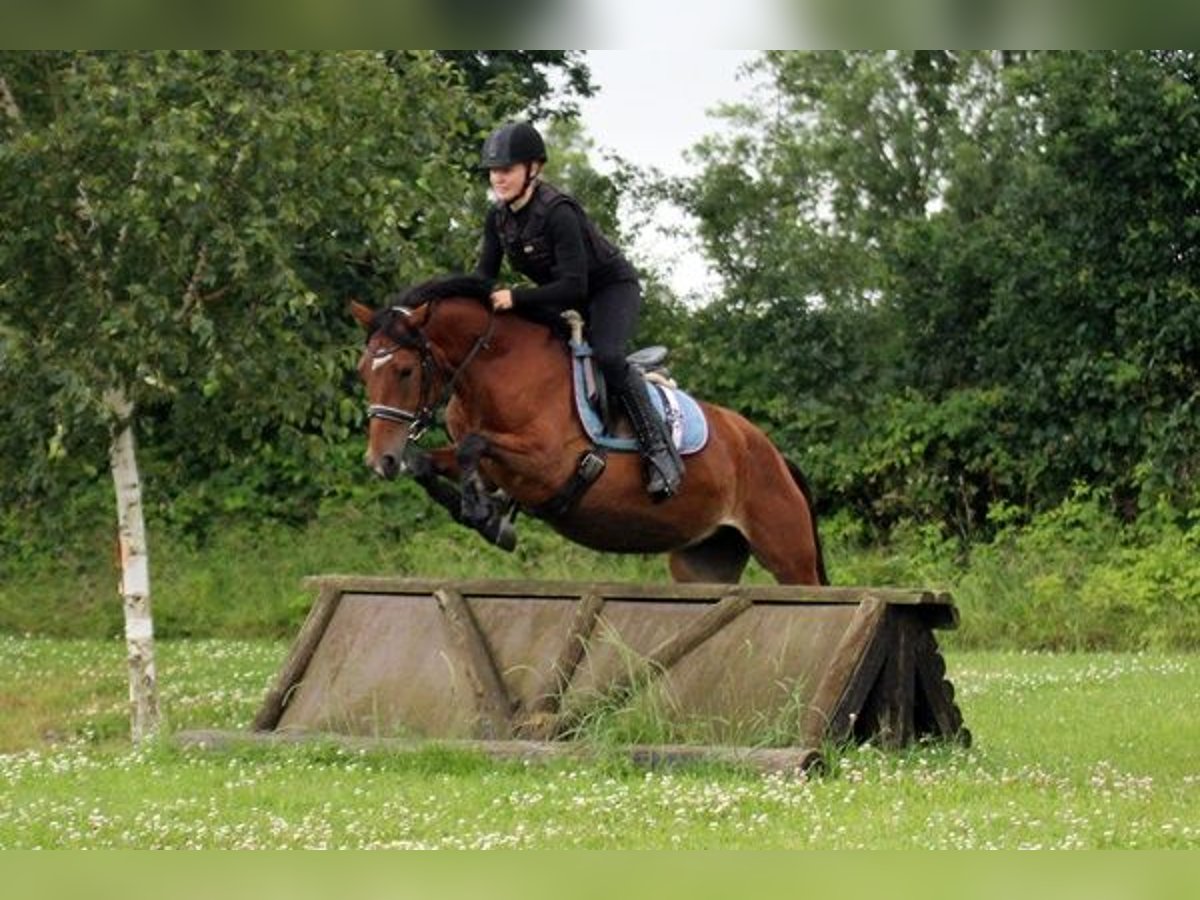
(506, 383)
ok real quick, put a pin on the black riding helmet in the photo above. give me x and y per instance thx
(513, 143)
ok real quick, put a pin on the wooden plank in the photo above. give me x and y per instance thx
(298, 658)
(935, 695)
(782, 760)
(684, 592)
(691, 636)
(671, 651)
(493, 703)
(698, 631)
(541, 719)
(895, 690)
(852, 671)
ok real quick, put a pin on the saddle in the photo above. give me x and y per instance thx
(683, 416)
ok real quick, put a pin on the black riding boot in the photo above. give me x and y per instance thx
(664, 468)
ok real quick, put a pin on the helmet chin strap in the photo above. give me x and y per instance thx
(526, 190)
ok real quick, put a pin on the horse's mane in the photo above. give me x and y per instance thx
(471, 286)
(400, 303)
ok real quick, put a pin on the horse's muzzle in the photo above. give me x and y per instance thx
(387, 465)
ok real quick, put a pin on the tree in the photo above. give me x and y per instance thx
(963, 277)
(527, 76)
(180, 232)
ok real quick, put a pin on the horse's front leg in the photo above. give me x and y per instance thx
(491, 517)
(477, 506)
(472, 505)
(436, 471)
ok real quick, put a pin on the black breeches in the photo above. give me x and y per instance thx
(612, 317)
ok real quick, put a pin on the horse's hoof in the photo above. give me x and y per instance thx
(499, 530)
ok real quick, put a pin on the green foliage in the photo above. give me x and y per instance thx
(1075, 577)
(186, 227)
(958, 285)
(961, 278)
(527, 76)
(1079, 579)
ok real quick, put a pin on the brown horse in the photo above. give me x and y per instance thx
(510, 412)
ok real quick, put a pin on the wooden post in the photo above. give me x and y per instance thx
(541, 719)
(856, 662)
(897, 683)
(494, 704)
(298, 658)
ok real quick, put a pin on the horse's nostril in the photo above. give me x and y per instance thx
(389, 465)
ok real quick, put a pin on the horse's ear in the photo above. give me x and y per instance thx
(363, 313)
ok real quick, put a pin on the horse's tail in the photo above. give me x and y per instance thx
(802, 483)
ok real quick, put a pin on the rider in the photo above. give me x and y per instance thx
(549, 239)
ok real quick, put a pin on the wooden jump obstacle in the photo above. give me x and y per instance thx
(515, 667)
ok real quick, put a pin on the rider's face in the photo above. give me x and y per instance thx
(508, 182)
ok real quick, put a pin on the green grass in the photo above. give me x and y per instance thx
(1071, 750)
(1073, 579)
(246, 581)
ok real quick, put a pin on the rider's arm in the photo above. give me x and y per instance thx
(491, 252)
(569, 286)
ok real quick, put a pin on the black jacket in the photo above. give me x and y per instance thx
(553, 243)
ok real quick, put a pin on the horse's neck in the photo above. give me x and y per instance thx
(518, 370)
(454, 327)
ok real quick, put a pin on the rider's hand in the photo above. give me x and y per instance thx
(502, 299)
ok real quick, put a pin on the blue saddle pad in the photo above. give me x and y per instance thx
(683, 415)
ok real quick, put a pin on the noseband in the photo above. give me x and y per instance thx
(422, 417)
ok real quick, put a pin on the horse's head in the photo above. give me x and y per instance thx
(399, 371)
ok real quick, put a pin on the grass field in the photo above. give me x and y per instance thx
(1071, 750)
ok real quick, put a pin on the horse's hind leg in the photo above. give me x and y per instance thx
(719, 558)
(781, 528)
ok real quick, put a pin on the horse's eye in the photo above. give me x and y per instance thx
(405, 372)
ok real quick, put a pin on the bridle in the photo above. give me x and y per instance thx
(423, 416)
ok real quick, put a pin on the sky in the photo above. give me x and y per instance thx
(651, 107)
(695, 25)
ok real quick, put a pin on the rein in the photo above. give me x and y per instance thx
(420, 419)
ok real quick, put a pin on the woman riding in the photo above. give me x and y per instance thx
(549, 239)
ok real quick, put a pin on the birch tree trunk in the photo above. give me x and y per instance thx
(135, 571)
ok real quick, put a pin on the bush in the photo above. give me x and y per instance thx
(1077, 578)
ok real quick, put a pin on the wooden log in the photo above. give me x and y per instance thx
(541, 719)
(493, 703)
(783, 760)
(935, 695)
(844, 688)
(939, 605)
(698, 631)
(298, 658)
